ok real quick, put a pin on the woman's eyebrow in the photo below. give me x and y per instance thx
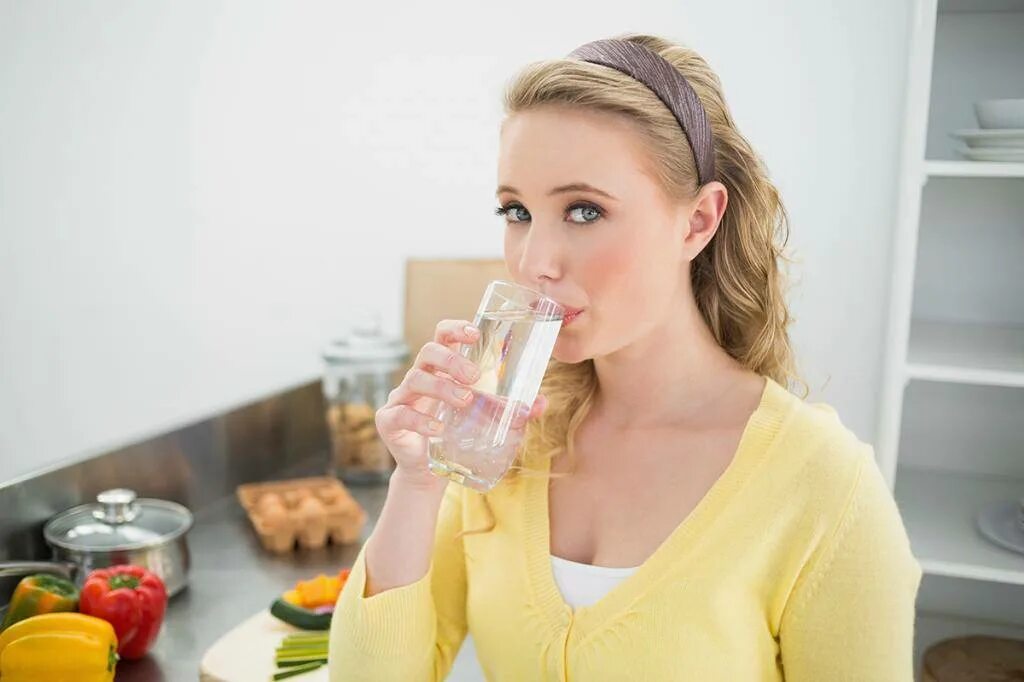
(573, 187)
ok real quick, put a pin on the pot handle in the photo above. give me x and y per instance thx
(15, 568)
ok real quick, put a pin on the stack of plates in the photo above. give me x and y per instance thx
(992, 145)
(1001, 136)
(1002, 522)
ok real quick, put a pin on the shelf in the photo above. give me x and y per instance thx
(973, 169)
(966, 353)
(938, 509)
(965, 6)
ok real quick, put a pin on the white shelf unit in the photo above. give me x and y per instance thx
(972, 169)
(987, 355)
(951, 427)
(938, 510)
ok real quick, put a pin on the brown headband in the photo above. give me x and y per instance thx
(665, 81)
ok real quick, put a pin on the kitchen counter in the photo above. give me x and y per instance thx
(232, 578)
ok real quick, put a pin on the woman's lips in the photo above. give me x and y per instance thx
(570, 315)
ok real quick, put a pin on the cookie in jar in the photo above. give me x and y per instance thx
(360, 370)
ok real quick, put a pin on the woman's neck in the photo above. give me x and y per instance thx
(674, 375)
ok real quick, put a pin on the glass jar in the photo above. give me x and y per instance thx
(360, 371)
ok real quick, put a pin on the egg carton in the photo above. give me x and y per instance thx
(302, 512)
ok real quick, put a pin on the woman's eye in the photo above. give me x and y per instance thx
(587, 213)
(510, 213)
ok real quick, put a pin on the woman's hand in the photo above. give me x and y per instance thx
(439, 374)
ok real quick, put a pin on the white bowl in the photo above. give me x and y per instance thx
(1000, 113)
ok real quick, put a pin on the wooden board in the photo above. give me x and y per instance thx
(246, 653)
(437, 290)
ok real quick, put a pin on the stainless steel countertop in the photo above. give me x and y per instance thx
(232, 578)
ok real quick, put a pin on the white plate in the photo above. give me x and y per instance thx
(1012, 138)
(985, 154)
(998, 523)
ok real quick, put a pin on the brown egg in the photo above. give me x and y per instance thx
(267, 500)
(274, 516)
(293, 498)
(328, 495)
(310, 508)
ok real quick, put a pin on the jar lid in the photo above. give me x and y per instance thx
(117, 521)
(366, 343)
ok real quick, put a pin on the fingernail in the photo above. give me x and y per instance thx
(463, 393)
(435, 426)
(472, 372)
(471, 330)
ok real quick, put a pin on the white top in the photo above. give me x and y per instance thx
(584, 584)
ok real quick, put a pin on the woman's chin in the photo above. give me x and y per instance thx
(568, 352)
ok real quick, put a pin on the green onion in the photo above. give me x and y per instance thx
(297, 670)
(307, 635)
(302, 645)
(284, 662)
(300, 653)
(306, 653)
(292, 651)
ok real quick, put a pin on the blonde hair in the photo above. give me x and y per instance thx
(738, 284)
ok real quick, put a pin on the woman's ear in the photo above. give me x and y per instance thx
(706, 213)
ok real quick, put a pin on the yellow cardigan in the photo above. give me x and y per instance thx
(795, 566)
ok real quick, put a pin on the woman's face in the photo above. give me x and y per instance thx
(588, 225)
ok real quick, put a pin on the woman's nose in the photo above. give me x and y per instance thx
(541, 255)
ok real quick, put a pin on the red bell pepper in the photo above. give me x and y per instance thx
(131, 599)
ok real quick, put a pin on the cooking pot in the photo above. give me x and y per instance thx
(118, 528)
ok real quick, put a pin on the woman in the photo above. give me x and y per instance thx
(677, 514)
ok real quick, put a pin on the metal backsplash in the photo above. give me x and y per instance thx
(194, 465)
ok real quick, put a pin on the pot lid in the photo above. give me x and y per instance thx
(366, 343)
(117, 521)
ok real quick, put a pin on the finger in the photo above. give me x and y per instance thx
(419, 383)
(521, 415)
(453, 332)
(394, 419)
(435, 356)
(539, 405)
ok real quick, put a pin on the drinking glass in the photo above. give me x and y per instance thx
(518, 329)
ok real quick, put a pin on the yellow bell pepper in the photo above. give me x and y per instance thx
(58, 647)
(319, 591)
(323, 590)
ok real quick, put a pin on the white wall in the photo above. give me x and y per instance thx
(194, 195)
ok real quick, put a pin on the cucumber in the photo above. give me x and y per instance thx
(304, 619)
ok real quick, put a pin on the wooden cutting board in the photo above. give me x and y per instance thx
(438, 290)
(246, 653)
